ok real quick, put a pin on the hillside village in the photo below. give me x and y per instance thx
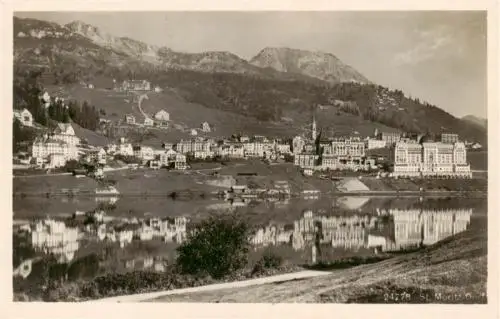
(444, 157)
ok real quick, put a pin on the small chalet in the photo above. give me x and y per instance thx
(162, 116)
(205, 127)
(24, 116)
(148, 122)
(136, 85)
(129, 119)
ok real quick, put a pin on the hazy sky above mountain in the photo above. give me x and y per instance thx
(440, 57)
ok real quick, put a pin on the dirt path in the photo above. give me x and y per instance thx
(229, 285)
(141, 98)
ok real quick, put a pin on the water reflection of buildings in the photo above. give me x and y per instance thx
(341, 231)
(390, 230)
(110, 200)
(166, 229)
(385, 230)
(415, 227)
(53, 237)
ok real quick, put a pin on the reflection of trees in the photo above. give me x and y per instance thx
(21, 249)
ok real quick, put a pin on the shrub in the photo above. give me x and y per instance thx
(85, 267)
(268, 261)
(217, 246)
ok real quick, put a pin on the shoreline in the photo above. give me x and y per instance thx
(480, 194)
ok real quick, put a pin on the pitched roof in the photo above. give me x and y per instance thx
(63, 128)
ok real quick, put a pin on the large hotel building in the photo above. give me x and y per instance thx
(412, 159)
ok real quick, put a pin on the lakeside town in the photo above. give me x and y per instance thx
(405, 155)
(345, 162)
(155, 171)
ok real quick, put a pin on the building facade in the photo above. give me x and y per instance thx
(390, 137)
(430, 159)
(344, 154)
(44, 147)
(374, 144)
(136, 85)
(305, 160)
(129, 119)
(298, 144)
(66, 133)
(449, 138)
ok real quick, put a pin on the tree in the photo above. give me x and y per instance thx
(20, 135)
(218, 246)
(16, 135)
(85, 267)
(71, 165)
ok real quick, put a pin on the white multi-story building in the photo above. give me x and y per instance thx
(97, 156)
(431, 159)
(283, 148)
(254, 149)
(192, 146)
(124, 148)
(145, 153)
(203, 154)
(374, 143)
(306, 160)
(180, 161)
(343, 154)
(298, 144)
(62, 141)
(407, 159)
(390, 137)
(65, 133)
(56, 160)
(42, 148)
(232, 150)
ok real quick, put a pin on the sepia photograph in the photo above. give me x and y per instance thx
(335, 157)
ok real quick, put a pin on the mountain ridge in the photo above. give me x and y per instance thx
(222, 80)
(482, 122)
(207, 61)
(322, 65)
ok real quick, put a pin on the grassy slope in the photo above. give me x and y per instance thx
(191, 115)
(456, 265)
(92, 137)
(163, 181)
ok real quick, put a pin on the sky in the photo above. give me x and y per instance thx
(439, 57)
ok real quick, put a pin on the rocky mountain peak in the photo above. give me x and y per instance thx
(321, 65)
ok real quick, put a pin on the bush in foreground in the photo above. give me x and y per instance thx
(218, 247)
(268, 261)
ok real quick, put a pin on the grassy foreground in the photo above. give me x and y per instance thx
(451, 271)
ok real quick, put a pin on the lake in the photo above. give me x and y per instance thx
(300, 230)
